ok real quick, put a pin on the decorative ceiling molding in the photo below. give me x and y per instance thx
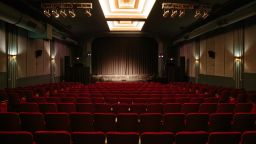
(125, 25)
(126, 15)
(126, 9)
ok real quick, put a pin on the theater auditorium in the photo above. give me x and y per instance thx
(128, 71)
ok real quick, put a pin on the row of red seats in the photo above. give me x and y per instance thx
(135, 108)
(124, 100)
(172, 122)
(63, 137)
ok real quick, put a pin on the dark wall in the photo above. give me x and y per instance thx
(250, 81)
(124, 56)
(216, 80)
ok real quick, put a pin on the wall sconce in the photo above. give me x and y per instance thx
(161, 56)
(197, 60)
(52, 59)
(238, 59)
(12, 57)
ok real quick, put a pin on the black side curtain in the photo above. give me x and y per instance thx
(124, 56)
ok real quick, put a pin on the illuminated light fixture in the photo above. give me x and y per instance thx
(197, 14)
(201, 10)
(182, 13)
(238, 59)
(55, 13)
(63, 13)
(72, 13)
(12, 57)
(166, 13)
(50, 9)
(88, 13)
(125, 25)
(174, 13)
(47, 13)
(126, 9)
(205, 15)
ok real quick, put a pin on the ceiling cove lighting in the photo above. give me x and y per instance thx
(126, 9)
(125, 25)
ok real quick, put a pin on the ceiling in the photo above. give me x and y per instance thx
(82, 26)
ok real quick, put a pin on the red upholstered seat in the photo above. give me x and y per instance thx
(16, 137)
(32, 121)
(199, 137)
(123, 137)
(52, 137)
(174, 122)
(127, 122)
(157, 138)
(248, 137)
(80, 121)
(224, 137)
(88, 137)
(9, 121)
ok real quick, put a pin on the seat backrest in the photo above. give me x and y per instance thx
(226, 137)
(248, 137)
(28, 107)
(9, 121)
(244, 121)
(220, 121)
(243, 107)
(85, 107)
(198, 137)
(174, 122)
(85, 137)
(123, 138)
(127, 122)
(32, 121)
(48, 107)
(190, 107)
(66, 107)
(172, 108)
(80, 121)
(225, 107)
(157, 138)
(197, 122)
(150, 122)
(57, 121)
(154, 108)
(208, 107)
(104, 122)
(52, 137)
(16, 137)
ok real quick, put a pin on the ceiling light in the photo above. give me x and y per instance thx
(72, 13)
(182, 13)
(197, 14)
(125, 25)
(201, 10)
(88, 13)
(166, 13)
(63, 13)
(205, 15)
(55, 13)
(126, 9)
(51, 9)
(47, 13)
(174, 13)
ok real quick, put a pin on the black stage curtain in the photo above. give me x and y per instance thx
(124, 56)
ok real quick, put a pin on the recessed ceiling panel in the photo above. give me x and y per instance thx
(125, 25)
(126, 9)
